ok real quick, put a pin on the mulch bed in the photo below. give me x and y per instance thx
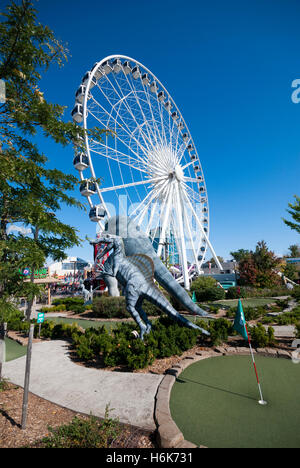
(42, 414)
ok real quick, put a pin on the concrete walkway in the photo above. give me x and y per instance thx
(56, 378)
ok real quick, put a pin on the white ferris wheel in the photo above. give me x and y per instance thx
(147, 160)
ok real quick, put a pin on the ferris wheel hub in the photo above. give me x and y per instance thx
(179, 173)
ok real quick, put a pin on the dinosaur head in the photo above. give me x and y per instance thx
(110, 241)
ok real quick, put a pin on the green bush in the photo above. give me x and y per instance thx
(220, 330)
(120, 348)
(236, 292)
(56, 308)
(115, 307)
(210, 294)
(265, 292)
(83, 433)
(110, 307)
(203, 282)
(260, 337)
(206, 289)
(296, 293)
(298, 330)
(59, 331)
(68, 302)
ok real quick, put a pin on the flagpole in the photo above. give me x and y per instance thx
(261, 401)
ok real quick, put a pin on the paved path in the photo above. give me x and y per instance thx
(57, 379)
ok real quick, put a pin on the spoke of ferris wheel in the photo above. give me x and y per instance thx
(187, 223)
(160, 113)
(158, 223)
(193, 195)
(145, 150)
(139, 104)
(137, 168)
(187, 165)
(129, 109)
(166, 216)
(154, 195)
(182, 148)
(182, 240)
(133, 184)
(191, 179)
(140, 160)
(154, 207)
(122, 100)
(202, 230)
(146, 90)
(174, 229)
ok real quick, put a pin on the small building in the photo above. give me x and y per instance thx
(293, 261)
(227, 277)
(71, 267)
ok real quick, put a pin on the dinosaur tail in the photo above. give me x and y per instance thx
(166, 280)
(155, 297)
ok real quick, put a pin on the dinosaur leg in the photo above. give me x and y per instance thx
(143, 315)
(132, 298)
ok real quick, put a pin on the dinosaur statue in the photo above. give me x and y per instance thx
(88, 294)
(135, 273)
(135, 241)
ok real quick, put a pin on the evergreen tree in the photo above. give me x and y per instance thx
(294, 251)
(30, 192)
(294, 211)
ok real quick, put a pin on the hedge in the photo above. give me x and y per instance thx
(115, 307)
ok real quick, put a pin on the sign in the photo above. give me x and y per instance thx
(40, 317)
(38, 274)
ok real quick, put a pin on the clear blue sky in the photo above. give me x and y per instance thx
(229, 66)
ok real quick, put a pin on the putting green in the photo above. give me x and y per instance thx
(214, 402)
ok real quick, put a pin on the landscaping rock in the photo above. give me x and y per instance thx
(169, 436)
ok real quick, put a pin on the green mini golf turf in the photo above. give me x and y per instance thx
(214, 402)
(13, 350)
(84, 323)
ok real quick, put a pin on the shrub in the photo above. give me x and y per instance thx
(261, 337)
(296, 293)
(236, 292)
(206, 289)
(220, 330)
(203, 282)
(83, 433)
(251, 313)
(57, 331)
(115, 307)
(298, 330)
(56, 308)
(210, 294)
(120, 348)
(110, 307)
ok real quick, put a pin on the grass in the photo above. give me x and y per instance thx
(214, 403)
(14, 350)
(109, 325)
(248, 302)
